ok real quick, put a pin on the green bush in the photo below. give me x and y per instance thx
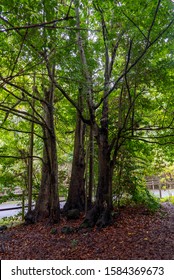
(167, 199)
(129, 184)
(141, 195)
(10, 221)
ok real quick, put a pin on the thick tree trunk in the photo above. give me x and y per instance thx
(100, 214)
(47, 205)
(103, 171)
(76, 195)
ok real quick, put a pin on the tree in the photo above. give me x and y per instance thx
(47, 205)
(124, 48)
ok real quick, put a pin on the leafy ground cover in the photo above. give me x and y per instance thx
(135, 234)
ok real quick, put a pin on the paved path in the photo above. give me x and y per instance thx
(169, 207)
(9, 213)
(14, 212)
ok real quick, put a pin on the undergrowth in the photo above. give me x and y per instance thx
(167, 199)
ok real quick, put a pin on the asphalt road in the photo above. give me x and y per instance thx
(9, 213)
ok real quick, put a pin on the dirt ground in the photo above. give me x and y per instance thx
(135, 234)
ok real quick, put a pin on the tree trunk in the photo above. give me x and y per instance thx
(100, 214)
(103, 170)
(30, 161)
(91, 169)
(30, 168)
(47, 205)
(76, 195)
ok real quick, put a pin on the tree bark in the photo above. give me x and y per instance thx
(100, 214)
(91, 169)
(76, 194)
(30, 162)
(103, 169)
(47, 205)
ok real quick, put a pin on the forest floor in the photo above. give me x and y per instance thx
(135, 234)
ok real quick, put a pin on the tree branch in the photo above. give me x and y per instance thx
(16, 157)
(21, 131)
(153, 21)
(18, 55)
(85, 67)
(114, 52)
(135, 62)
(37, 25)
(20, 113)
(23, 90)
(139, 29)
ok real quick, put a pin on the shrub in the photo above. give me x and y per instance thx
(141, 195)
(167, 199)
